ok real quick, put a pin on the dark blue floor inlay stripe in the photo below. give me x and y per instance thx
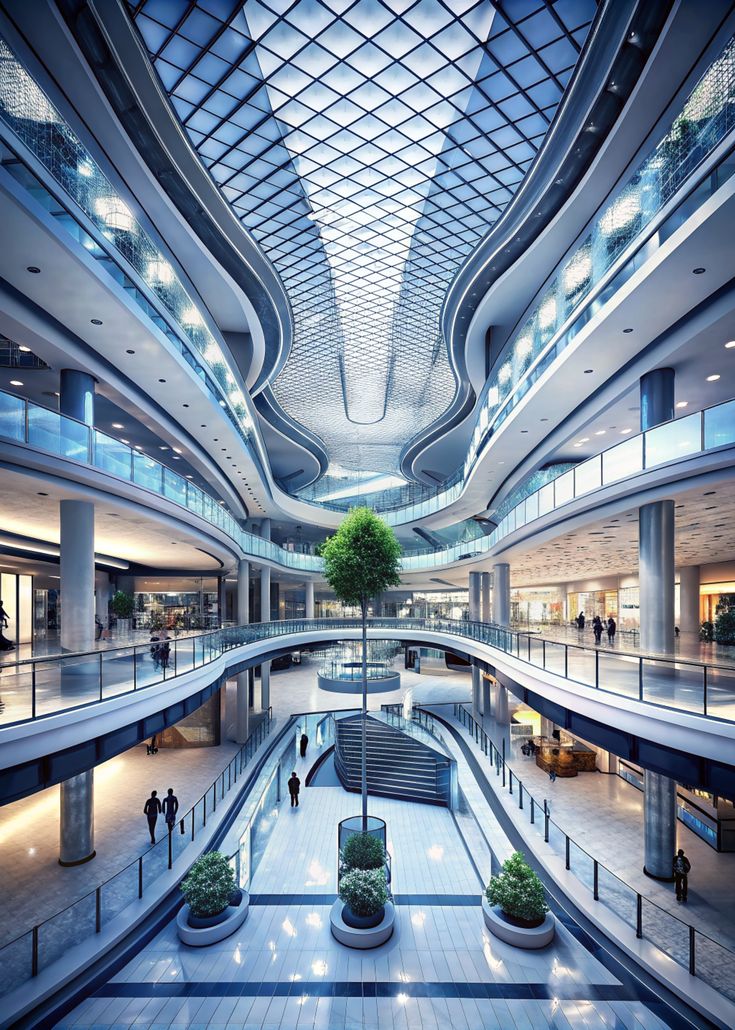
(448, 900)
(383, 989)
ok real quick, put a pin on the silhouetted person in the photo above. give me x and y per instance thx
(597, 628)
(5, 644)
(151, 810)
(152, 748)
(294, 786)
(682, 868)
(170, 808)
(580, 620)
(611, 629)
(303, 743)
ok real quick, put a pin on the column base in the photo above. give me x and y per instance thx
(78, 861)
(661, 879)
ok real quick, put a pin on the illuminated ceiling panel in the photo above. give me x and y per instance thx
(368, 147)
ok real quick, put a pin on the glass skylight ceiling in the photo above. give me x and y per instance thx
(368, 147)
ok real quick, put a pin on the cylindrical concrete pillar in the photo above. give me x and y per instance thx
(76, 395)
(310, 599)
(486, 703)
(76, 819)
(475, 596)
(265, 616)
(485, 611)
(77, 574)
(265, 595)
(657, 397)
(659, 815)
(502, 711)
(656, 576)
(689, 618)
(501, 594)
(102, 595)
(243, 592)
(242, 716)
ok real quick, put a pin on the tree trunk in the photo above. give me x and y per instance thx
(364, 719)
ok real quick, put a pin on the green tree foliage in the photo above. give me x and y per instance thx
(362, 559)
(209, 885)
(518, 890)
(122, 605)
(724, 631)
(363, 851)
(364, 890)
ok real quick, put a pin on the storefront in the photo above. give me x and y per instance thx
(16, 593)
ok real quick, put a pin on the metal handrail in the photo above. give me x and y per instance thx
(190, 653)
(503, 770)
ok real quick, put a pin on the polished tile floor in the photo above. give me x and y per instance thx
(440, 969)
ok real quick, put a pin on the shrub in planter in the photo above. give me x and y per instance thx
(364, 893)
(209, 889)
(518, 892)
(122, 605)
(363, 851)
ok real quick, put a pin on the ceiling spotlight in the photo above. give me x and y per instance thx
(710, 379)
(117, 425)
(584, 439)
(177, 450)
(161, 380)
(15, 382)
(699, 271)
(27, 350)
(588, 371)
(41, 493)
(600, 432)
(130, 352)
(728, 346)
(96, 321)
(624, 432)
(33, 269)
(124, 441)
(627, 330)
(681, 404)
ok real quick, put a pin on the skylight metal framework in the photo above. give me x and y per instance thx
(368, 147)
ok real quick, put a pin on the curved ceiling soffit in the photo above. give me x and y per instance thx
(269, 408)
(617, 49)
(94, 27)
(426, 121)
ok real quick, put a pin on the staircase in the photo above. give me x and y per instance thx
(398, 765)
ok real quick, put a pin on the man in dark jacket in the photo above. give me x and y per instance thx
(303, 744)
(294, 786)
(682, 868)
(170, 808)
(151, 810)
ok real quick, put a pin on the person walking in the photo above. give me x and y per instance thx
(682, 868)
(580, 620)
(294, 786)
(170, 808)
(597, 628)
(611, 629)
(152, 810)
(303, 744)
(5, 644)
(552, 775)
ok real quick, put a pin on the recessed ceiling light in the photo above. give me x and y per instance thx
(162, 448)
(588, 371)
(96, 321)
(177, 450)
(185, 405)
(584, 439)
(138, 446)
(176, 458)
(161, 380)
(124, 441)
(577, 445)
(712, 378)
(27, 350)
(222, 404)
(600, 432)
(130, 352)
(627, 330)
(728, 346)
(33, 269)
(117, 425)
(41, 493)
(15, 382)
(624, 432)
(681, 404)
(189, 477)
(699, 271)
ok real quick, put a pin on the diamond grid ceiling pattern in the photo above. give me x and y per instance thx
(368, 147)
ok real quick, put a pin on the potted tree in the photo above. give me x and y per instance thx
(214, 906)
(363, 916)
(514, 906)
(361, 560)
(363, 851)
(122, 608)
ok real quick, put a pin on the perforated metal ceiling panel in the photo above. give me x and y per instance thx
(368, 147)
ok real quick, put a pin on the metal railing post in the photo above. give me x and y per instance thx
(510, 782)
(34, 953)
(639, 916)
(33, 690)
(98, 910)
(566, 661)
(533, 810)
(692, 950)
(704, 686)
(520, 795)
(140, 877)
(567, 856)
(640, 679)
(546, 822)
(597, 669)
(596, 876)
(100, 675)
(170, 847)
(192, 821)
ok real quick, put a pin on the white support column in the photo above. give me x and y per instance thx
(102, 595)
(501, 594)
(310, 599)
(689, 619)
(485, 612)
(659, 821)
(475, 602)
(76, 520)
(656, 576)
(243, 592)
(265, 616)
(242, 716)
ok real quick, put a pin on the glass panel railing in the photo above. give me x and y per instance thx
(112, 456)
(622, 460)
(719, 425)
(673, 440)
(12, 417)
(147, 472)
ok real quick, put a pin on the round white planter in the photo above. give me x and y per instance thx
(518, 936)
(353, 937)
(200, 937)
